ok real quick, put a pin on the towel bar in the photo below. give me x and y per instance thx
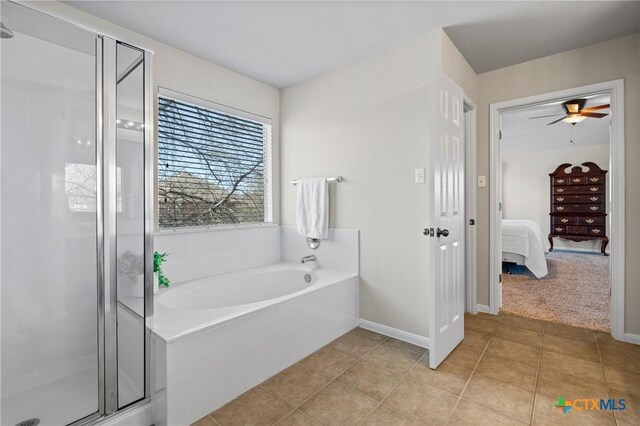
(335, 179)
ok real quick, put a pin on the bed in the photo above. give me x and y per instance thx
(522, 243)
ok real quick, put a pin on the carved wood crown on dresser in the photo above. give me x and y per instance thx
(578, 203)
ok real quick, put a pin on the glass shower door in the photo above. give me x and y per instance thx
(48, 192)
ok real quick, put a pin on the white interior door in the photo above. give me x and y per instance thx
(446, 321)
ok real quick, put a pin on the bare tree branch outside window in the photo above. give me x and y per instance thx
(210, 167)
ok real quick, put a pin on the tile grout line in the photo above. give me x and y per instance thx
(604, 374)
(331, 380)
(535, 387)
(475, 367)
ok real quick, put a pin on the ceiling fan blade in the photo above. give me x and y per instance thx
(593, 114)
(559, 119)
(595, 108)
(545, 116)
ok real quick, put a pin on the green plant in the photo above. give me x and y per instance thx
(158, 260)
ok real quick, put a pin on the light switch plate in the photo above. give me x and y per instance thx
(419, 175)
(482, 181)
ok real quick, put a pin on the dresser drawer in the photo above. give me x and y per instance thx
(578, 189)
(558, 229)
(577, 208)
(561, 181)
(594, 179)
(578, 180)
(596, 230)
(577, 230)
(591, 220)
(569, 220)
(572, 199)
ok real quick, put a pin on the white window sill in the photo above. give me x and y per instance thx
(217, 228)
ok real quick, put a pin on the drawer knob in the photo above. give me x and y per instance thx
(564, 220)
(595, 231)
(594, 179)
(594, 208)
(593, 189)
(560, 180)
(589, 221)
(577, 180)
(560, 208)
(560, 198)
(558, 229)
(594, 198)
(560, 189)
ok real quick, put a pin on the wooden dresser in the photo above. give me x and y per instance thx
(578, 204)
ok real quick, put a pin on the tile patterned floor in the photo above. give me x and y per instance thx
(508, 371)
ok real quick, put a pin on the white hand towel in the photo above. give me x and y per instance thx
(312, 208)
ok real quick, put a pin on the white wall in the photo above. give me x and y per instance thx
(610, 60)
(368, 121)
(525, 184)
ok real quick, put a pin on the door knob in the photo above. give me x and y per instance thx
(443, 232)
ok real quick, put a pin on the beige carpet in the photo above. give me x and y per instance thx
(576, 291)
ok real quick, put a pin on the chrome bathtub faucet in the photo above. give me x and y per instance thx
(310, 258)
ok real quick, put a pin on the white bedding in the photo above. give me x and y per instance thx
(524, 237)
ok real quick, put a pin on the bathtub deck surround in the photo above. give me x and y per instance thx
(508, 370)
(215, 328)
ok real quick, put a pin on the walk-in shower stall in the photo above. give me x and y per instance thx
(76, 251)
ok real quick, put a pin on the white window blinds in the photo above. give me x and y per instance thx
(214, 166)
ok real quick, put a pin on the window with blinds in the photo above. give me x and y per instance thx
(213, 165)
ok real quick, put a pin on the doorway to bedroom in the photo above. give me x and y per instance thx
(553, 224)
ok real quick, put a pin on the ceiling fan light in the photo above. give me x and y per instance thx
(573, 119)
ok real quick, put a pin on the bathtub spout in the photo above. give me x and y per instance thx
(310, 258)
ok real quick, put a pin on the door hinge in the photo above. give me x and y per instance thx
(500, 134)
(472, 222)
(500, 278)
(500, 206)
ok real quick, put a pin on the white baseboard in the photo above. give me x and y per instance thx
(631, 338)
(395, 333)
(484, 308)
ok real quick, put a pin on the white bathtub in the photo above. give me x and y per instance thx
(219, 336)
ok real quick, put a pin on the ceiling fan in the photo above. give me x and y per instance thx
(575, 112)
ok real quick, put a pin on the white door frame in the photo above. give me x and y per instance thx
(470, 203)
(615, 89)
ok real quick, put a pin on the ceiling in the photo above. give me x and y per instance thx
(522, 134)
(282, 43)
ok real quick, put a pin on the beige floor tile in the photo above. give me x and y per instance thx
(508, 371)
(475, 340)
(370, 379)
(469, 413)
(522, 322)
(421, 401)
(554, 383)
(395, 359)
(354, 344)
(578, 348)
(514, 351)
(255, 407)
(561, 364)
(607, 342)
(546, 413)
(449, 377)
(205, 421)
(329, 362)
(576, 333)
(338, 405)
(622, 359)
(370, 334)
(383, 416)
(631, 415)
(463, 357)
(295, 384)
(296, 418)
(503, 398)
(396, 343)
(519, 335)
(623, 380)
(473, 322)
